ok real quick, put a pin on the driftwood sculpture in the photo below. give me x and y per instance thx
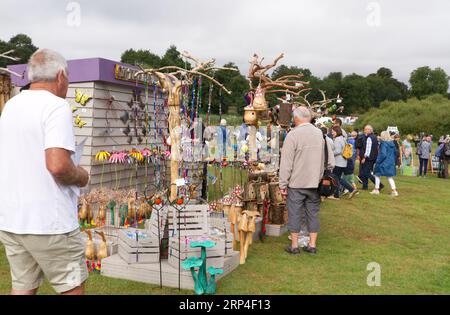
(171, 79)
(261, 84)
(321, 107)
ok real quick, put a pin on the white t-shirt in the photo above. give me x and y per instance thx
(31, 202)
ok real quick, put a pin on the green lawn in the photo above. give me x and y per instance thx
(408, 236)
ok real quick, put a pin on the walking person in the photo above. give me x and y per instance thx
(398, 151)
(407, 151)
(39, 190)
(424, 152)
(386, 163)
(301, 170)
(367, 156)
(341, 163)
(445, 156)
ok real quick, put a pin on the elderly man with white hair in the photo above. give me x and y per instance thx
(367, 157)
(39, 182)
(302, 168)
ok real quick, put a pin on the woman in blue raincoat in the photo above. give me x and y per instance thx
(386, 163)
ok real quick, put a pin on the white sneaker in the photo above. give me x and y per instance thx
(394, 193)
(375, 192)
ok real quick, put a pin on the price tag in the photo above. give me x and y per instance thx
(180, 182)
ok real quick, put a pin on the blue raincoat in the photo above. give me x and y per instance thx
(385, 165)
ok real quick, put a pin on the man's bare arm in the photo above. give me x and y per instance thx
(61, 166)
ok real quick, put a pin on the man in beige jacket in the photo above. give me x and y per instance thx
(302, 168)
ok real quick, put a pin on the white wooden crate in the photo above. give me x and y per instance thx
(151, 225)
(276, 229)
(115, 267)
(215, 255)
(138, 248)
(190, 221)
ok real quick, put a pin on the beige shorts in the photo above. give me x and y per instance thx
(60, 258)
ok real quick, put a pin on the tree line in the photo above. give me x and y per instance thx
(360, 93)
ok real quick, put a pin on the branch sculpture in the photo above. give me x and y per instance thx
(7, 55)
(319, 108)
(257, 75)
(172, 82)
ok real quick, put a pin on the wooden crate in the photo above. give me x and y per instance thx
(220, 227)
(190, 221)
(215, 255)
(151, 225)
(115, 267)
(276, 229)
(138, 249)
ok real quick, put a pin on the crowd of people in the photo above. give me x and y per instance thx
(309, 152)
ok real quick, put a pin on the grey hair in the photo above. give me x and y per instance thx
(303, 112)
(370, 127)
(45, 64)
(385, 136)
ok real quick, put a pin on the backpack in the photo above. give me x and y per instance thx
(348, 151)
(329, 183)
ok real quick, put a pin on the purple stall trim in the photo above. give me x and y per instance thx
(83, 70)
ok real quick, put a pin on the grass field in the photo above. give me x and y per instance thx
(408, 236)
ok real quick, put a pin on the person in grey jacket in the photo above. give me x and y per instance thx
(424, 152)
(341, 163)
(302, 167)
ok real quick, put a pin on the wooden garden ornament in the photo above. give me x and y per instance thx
(233, 217)
(90, 248)
(102, 251)
(144, 210)
(131, 208)
(101, 214)
(261, 83)
(246, 226)
(172, 84)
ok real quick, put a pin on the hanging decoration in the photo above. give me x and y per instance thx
(172, 83)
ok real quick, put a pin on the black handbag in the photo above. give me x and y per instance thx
(328, 184)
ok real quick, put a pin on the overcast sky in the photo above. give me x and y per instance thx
(324, 35)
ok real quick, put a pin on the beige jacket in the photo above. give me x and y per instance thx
(303, 158)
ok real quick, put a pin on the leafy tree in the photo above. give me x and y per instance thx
(384, 87)
(430, 115)
(283, 70)
(425, 81)
(332, 84)
(384, 73)
(172, 57)
(356, 93)
(145, 58)
(23, 49)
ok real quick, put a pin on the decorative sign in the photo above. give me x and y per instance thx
(124, 73)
